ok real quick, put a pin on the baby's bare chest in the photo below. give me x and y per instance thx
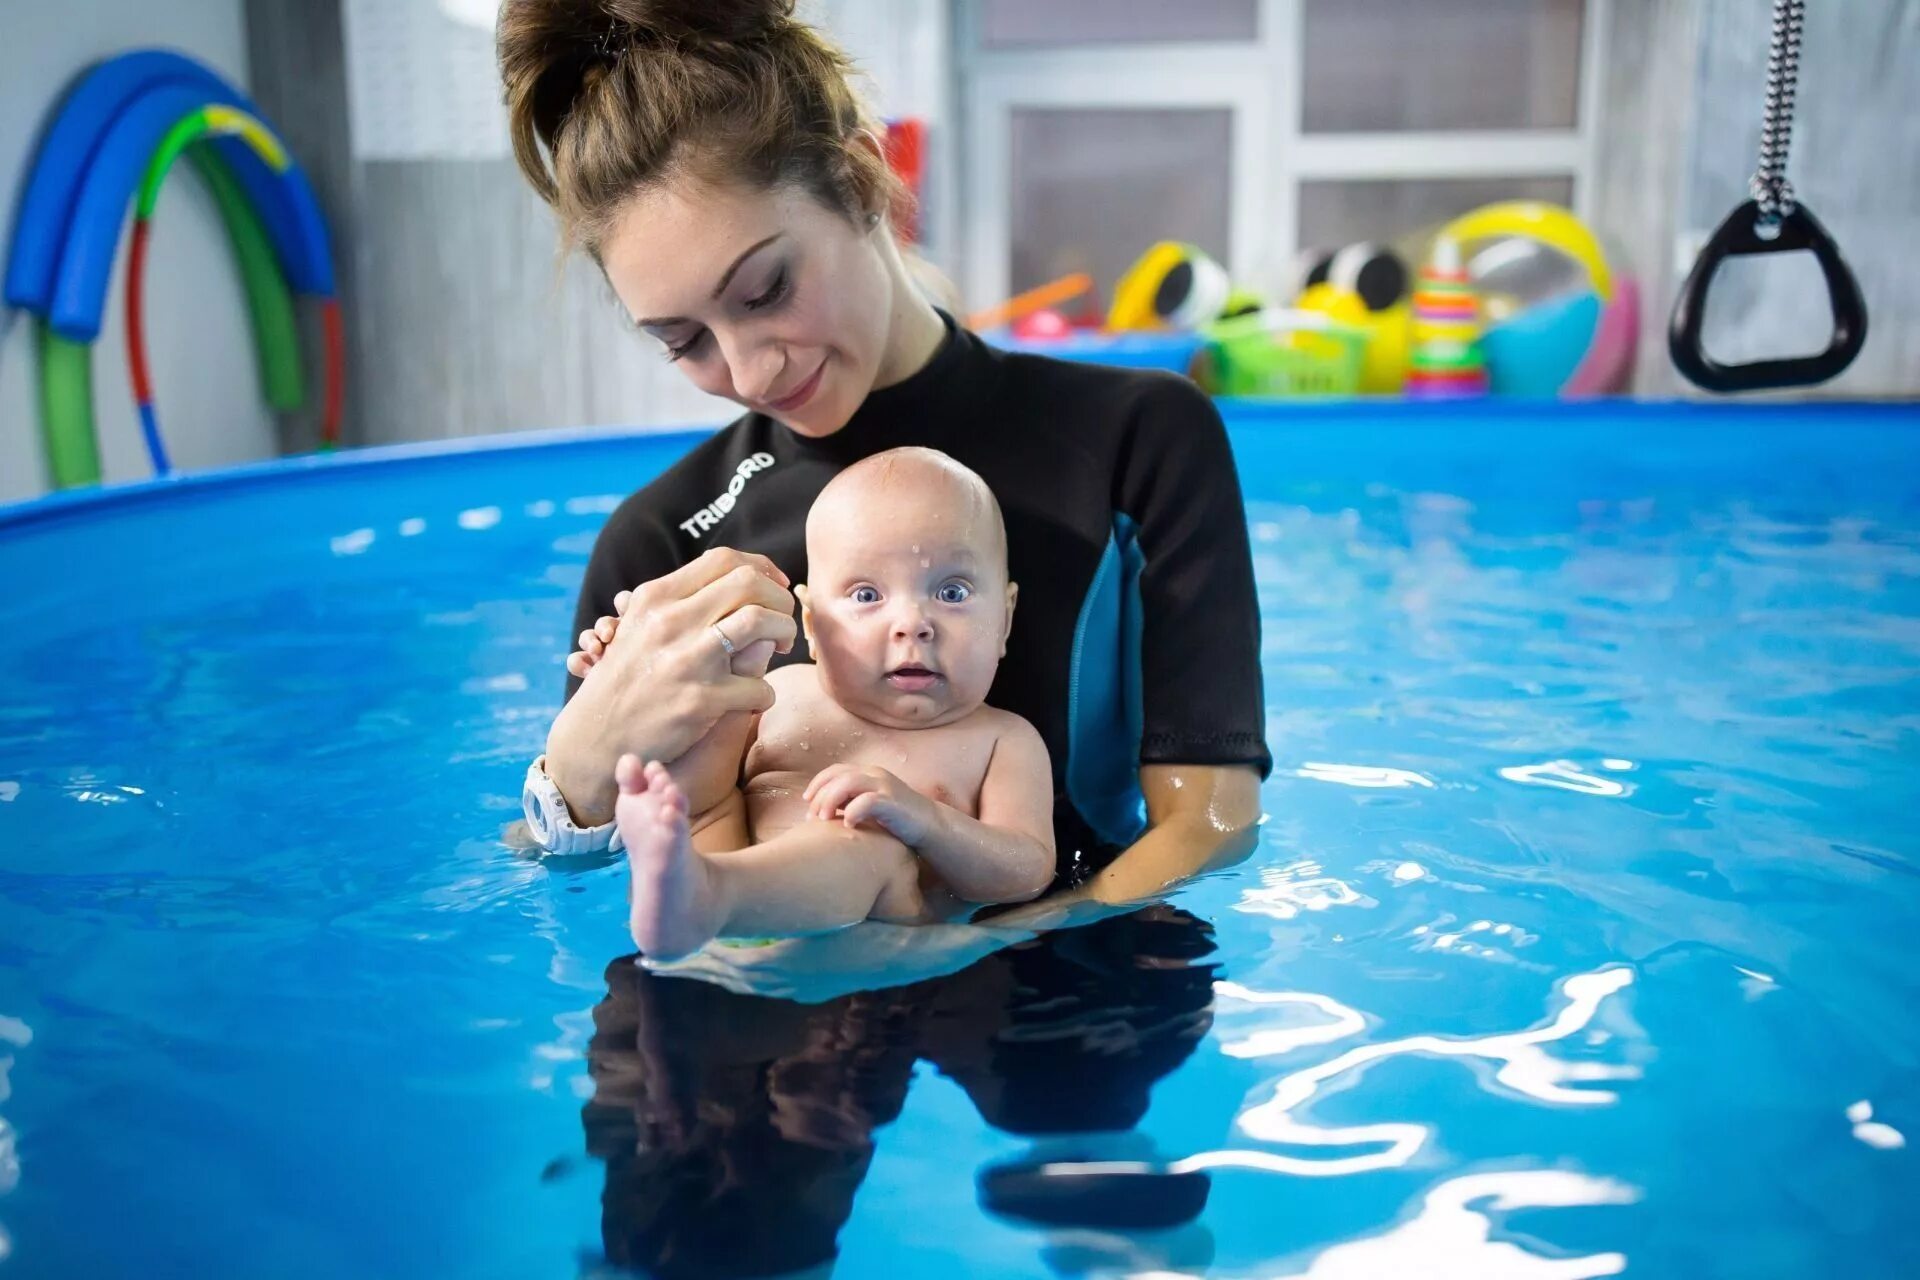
(947, 763)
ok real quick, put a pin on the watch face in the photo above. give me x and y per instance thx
(535, 801)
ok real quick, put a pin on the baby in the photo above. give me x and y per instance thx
(878, 785)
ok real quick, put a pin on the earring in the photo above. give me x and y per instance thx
(873, 219)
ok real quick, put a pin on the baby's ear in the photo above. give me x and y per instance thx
(806, 613)
(1013, 598)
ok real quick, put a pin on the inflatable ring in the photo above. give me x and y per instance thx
(1546, 223)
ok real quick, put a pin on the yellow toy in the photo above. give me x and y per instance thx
(1175, 286)
(1365, 286)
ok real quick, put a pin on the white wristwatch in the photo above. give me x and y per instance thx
(552, 824)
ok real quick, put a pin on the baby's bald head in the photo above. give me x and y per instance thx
(934, 493)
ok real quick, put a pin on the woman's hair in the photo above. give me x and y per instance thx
(609, 97)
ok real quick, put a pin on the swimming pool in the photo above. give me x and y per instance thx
(1579, 936)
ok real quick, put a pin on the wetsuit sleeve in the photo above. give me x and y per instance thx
(1201, 697)
(630, 550)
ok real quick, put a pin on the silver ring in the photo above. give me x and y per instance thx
(724, 642)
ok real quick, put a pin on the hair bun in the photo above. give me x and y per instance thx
(640, 22)
(604, 97)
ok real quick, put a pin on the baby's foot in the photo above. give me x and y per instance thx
(674, 907)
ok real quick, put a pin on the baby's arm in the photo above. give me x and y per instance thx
(1004, 855)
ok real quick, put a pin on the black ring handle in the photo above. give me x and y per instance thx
(1739, 236)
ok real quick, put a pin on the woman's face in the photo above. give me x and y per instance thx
(768, 298)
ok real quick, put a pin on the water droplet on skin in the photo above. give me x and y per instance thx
(925, 563)
(1179, 783)
(806, 746)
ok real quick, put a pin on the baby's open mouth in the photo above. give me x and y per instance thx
(913, 676)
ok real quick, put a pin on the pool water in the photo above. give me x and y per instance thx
(1579, 937)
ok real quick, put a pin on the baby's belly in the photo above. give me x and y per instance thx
(776, 802)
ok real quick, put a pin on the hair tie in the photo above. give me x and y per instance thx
(615, 27)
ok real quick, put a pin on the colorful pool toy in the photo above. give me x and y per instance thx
(1446, 362)
(1560, 319)
(1364, 286)
(1175, 286)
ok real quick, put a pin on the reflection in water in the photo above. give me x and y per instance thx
(1565, 775)
(1525, 1068)
(1363, 775)
(1285, 891)
(736, 1129)
(14, 1034)
(1450, 1239)
(1865, 1128)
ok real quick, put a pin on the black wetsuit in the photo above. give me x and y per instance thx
(1137, 635)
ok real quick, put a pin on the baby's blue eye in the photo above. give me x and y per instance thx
(865, 595)
(953, 592)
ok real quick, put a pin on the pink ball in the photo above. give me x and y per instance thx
(1042, 324)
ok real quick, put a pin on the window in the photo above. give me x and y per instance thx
(1014, 23)
(1092, 128)
(1370, 65)
(1093, 186)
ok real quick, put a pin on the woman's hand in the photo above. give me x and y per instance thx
(669, 679)
(862, 794)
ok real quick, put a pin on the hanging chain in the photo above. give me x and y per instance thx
(1769, 186)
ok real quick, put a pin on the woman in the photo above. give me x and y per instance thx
(714, 161)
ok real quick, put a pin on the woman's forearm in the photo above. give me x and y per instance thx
(1168, 854)
(581, 755)
(1203, 817)
(666, 678)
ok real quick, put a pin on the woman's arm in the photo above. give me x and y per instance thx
(668, 680)
(1200, 817)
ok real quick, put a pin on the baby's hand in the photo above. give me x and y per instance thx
(594, 641)
(859, 794)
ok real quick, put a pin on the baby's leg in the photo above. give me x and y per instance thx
(812, 878)
(710, 768)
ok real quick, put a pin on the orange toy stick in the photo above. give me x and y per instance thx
(1050, 294)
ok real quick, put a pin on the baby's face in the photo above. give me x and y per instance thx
(907, 603)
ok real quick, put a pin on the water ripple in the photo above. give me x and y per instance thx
(1525, 1068)
(1451, 1238)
